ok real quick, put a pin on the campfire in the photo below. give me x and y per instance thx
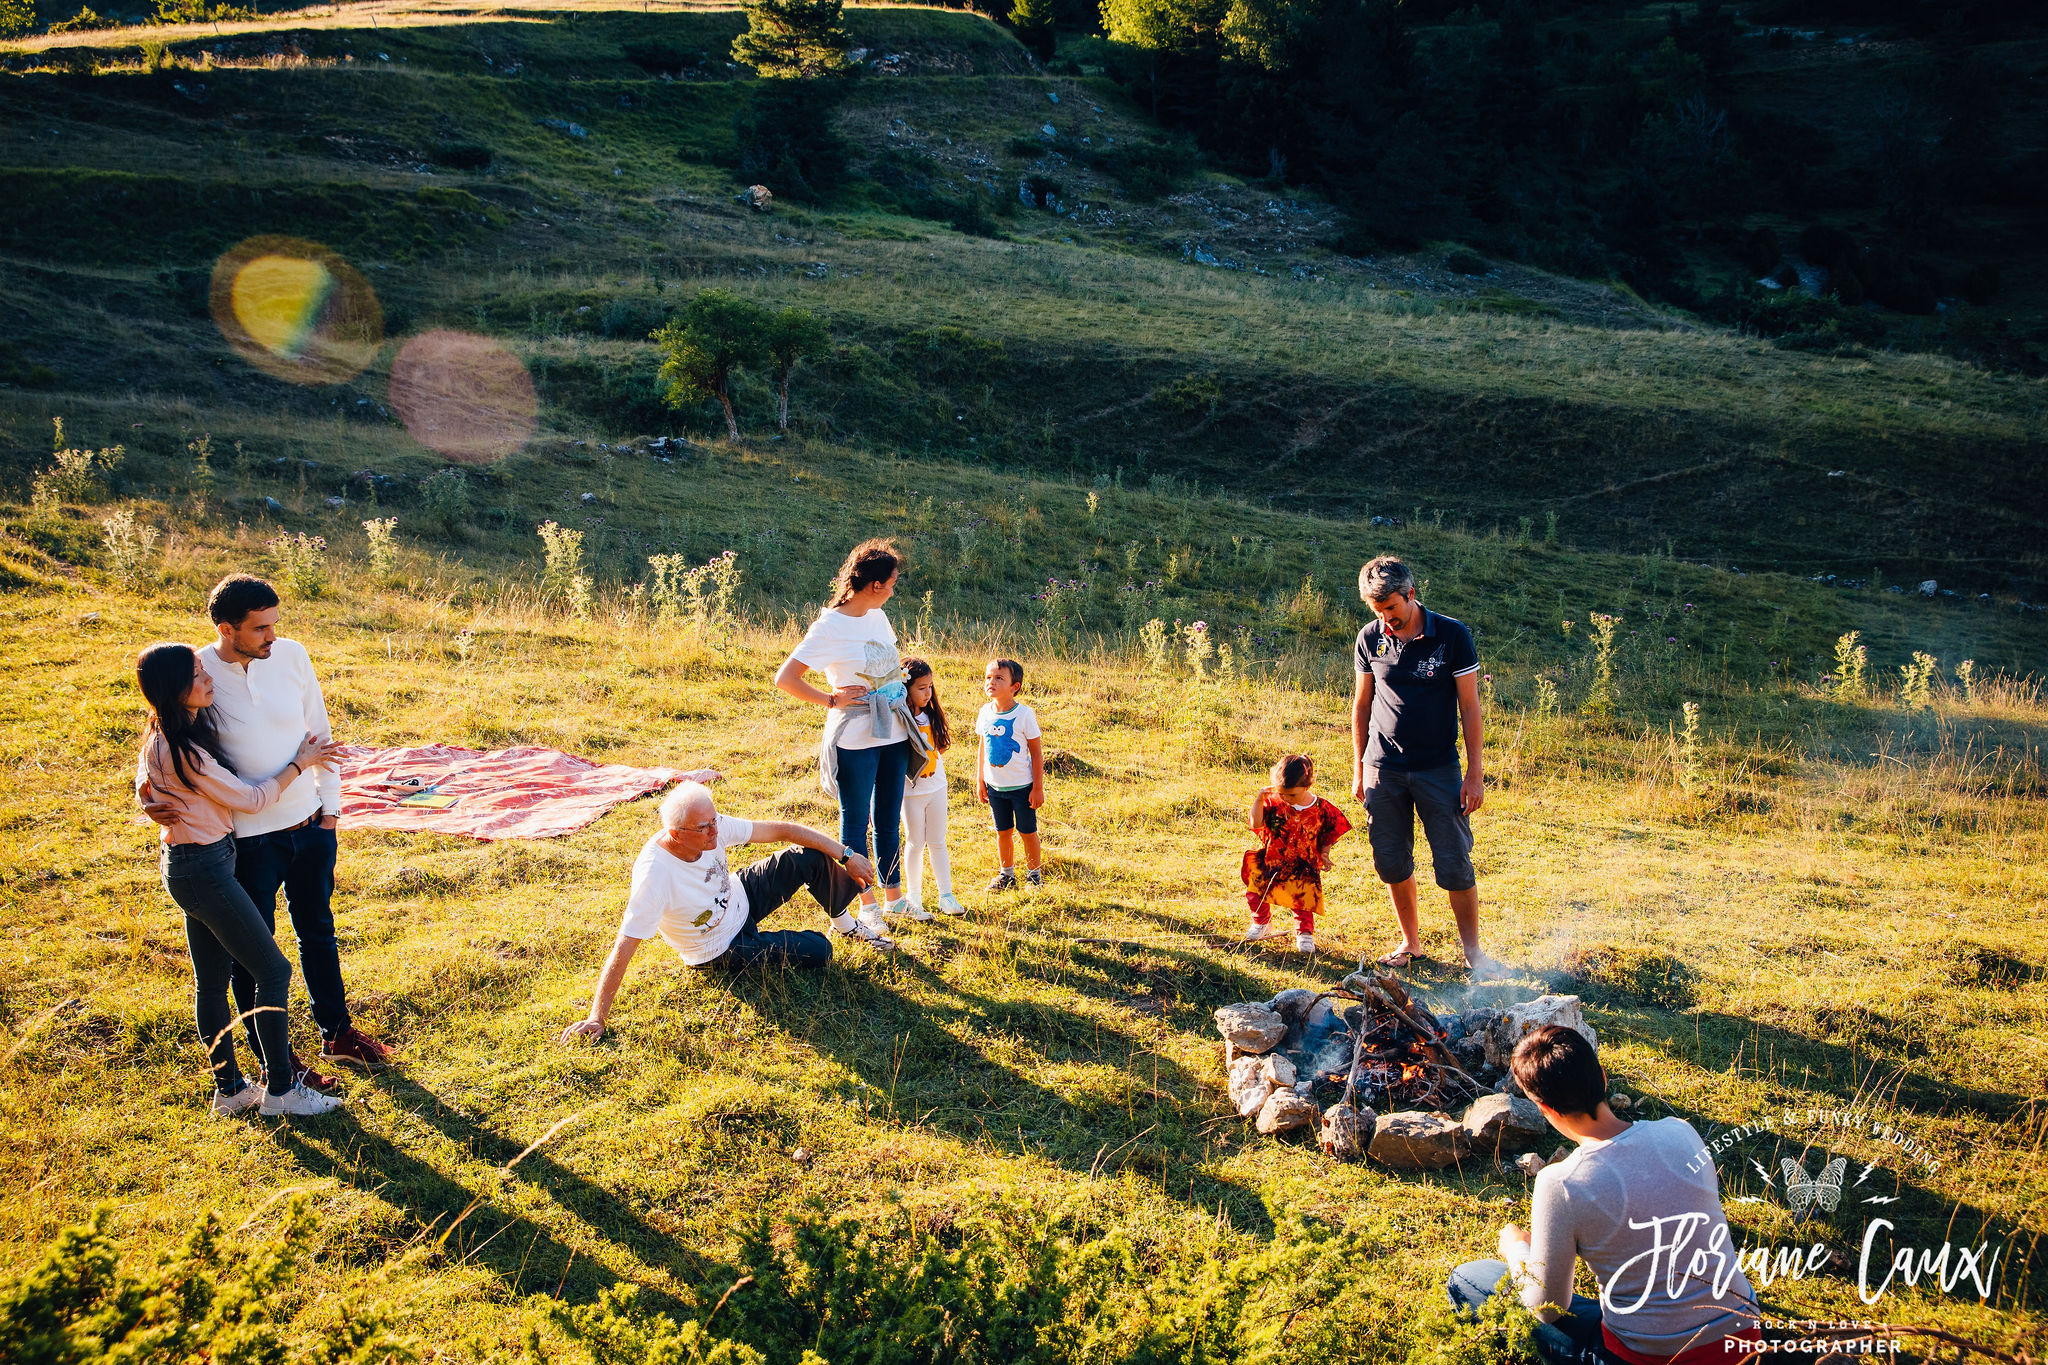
(1349, 1055)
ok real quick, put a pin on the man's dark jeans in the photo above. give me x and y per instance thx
(1573, 1339)
(770, 884)
(302, 862)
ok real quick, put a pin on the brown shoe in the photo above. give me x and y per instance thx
(358, 1048)
(307, 1076)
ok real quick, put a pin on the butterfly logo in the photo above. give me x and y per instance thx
(1823, 1191)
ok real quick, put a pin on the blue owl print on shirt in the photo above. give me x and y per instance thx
(1002, 742)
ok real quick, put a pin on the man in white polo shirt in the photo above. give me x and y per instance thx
(265, 694)
(685, 890)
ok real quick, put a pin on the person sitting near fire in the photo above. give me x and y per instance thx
(1632, 1195)
(685, 890)
(1296, 830)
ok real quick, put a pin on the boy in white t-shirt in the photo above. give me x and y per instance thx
(1009, 770)
(685, 890)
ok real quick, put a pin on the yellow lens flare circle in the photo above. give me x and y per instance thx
(463, 396)
(296, 311)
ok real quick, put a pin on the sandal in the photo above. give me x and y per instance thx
(1400, 957)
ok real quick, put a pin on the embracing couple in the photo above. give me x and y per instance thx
(238, 768)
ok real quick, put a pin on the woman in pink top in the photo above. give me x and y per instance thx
(181, 758)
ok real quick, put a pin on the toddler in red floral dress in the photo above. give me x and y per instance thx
(1296, 829)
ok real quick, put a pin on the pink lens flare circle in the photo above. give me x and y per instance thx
(295, 310)
(463, 396)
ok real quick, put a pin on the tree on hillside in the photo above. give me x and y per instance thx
(16, 18)
(719, 333)
(793, 39)
(788, 337)
(1033, 21)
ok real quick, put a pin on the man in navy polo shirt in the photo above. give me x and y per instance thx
(1417, 687)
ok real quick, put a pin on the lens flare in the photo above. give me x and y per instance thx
(463, 396)
(296, 310)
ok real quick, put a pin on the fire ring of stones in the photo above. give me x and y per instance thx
(1382, 1075)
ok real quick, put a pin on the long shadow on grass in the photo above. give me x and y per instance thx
(524, 1255)
(925, 1058)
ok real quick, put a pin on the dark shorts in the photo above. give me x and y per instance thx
(1392, 801)
(1013, 808)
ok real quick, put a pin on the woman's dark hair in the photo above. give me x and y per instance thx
(1556, 1066)
(871, 562)
(1294, 770)
(164, 673)
(913, 669)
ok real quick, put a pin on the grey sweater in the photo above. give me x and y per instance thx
(1644, 1211)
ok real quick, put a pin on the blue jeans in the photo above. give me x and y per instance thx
(225, 934)
(872, 780)
(302, 862)
(1573, 1339)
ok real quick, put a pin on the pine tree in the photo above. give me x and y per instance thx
(1033, 21)
(797, 39)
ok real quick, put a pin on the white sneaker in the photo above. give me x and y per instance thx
(241, 1102)
(298, 1102)
(909, 907)
(1254, 932)
(950, 903)
(865, 932)
(1304, 943)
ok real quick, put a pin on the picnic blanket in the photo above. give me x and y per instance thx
(524, 793)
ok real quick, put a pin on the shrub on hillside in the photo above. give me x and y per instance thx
(16, 18)
(206, 1301)
(785, 139)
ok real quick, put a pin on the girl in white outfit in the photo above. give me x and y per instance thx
(924, 796)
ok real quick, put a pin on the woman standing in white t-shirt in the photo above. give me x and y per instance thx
(865, 755)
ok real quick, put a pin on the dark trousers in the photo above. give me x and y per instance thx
(302, 862)
(1573, 1339)
(225, 934)
(871, 780)
(770, 884)
(1393, 799)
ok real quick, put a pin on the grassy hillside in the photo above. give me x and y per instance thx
(1315, 380)
(1824, 903)
(1830, 897)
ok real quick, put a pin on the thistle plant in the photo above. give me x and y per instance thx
(1851, 659)
(1226, 665)
(383, 546)
(301, 563)
(201, 478)
(129, 545)
(1689, 747)
(1200, 649)
(1152, 635)
(465, 645)
(1966, 674)
(1546, 699)
(74, 475)
(1600, 700)
(563, 578)
(702, 594)
(1916, 681)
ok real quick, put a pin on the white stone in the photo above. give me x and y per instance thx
(1280, 1069)
(1346, 1131)
(1251, 1081)
(1286, 1111)
(1415, 1140)
(1521, 1020)
(1502, 1123)
(1250, 1028)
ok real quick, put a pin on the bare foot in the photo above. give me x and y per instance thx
(1485, 968)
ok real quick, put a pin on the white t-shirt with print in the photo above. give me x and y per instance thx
(1005, 757)
(699, 907)
(932, 778)
(852, 650)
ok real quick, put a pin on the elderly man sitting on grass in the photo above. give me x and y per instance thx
(684, 889)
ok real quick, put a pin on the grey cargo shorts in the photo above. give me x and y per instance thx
(1392, 800)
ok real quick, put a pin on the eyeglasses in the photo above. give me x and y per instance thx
(708, 827)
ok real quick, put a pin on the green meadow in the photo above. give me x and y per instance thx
(1819, 892)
